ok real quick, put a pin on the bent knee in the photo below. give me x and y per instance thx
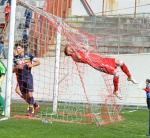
(119, 62)
(115, 73)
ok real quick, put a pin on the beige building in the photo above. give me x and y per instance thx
(111, 7)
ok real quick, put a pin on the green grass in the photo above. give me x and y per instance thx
(135, 126)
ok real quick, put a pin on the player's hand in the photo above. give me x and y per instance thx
(20, 66)
(29, 65)
(1, 79)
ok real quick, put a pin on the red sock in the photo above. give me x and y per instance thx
(116, 82)
(125, 70)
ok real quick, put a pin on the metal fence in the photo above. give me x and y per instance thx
(121, 34)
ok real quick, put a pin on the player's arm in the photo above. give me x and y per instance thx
(36, 62)
(15, 67)
(2, 40)
(3, 72)
(147, 89)
(33, 61)
(19, 66)
(78, 57)
(2, 68)
(76, 54)
(86, 48)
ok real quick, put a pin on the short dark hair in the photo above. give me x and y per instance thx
(148, 80)
(19, 43)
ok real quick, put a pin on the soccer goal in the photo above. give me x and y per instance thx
(65, 90)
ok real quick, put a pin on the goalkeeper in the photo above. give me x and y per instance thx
(99, 62)
(2, 75)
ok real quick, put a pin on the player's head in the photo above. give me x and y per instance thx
(68, 51)
(19, 48)
(8, 4)
(25, 31)
(147, 81)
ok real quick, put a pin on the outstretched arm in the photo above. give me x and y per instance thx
(78, 57)
(86, 48)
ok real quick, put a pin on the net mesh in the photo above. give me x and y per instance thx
(85, 95)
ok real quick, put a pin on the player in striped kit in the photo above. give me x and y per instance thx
(23, 63)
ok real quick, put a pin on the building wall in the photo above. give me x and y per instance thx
(127, 6)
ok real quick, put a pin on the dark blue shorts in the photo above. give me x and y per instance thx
(26, 86)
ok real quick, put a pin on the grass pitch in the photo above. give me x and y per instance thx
(135, 126)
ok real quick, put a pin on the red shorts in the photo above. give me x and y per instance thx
(105, 64)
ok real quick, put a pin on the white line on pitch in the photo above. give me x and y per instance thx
(2, 119)
(129, 111)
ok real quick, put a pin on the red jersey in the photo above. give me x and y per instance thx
(7, 9)
(7, 12)
(97, 61)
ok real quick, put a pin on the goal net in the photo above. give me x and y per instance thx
(65, 90)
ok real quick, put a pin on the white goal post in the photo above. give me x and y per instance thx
(10, 58)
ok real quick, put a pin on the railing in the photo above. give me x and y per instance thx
(58, 7)
(87, 7)
(119, 34)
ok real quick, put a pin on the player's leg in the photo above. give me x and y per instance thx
(2, 104)
(148, 103)
(111, 69)
(29, 91)
(21, 89)
(116, 83)
(32, 104)
(21, 94)
(31, 101)
(125, 69)
(36, 108)
(18, 91)
(26, 97)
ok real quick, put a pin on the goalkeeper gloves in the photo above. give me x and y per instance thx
(1, 80)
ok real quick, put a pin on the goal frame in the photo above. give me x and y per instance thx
(10, 59)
